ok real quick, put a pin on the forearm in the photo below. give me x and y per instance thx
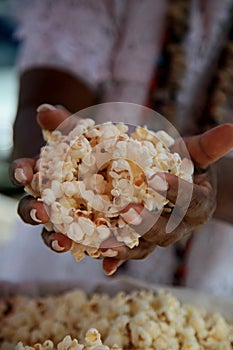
(45, 85)
(224, 211)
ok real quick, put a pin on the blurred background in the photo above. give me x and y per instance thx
(9, 46)
(190, 80)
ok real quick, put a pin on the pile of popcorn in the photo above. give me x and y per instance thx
(88, 176)
(140, 320)
(92, 342)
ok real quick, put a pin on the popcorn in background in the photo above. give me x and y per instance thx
(86, 177)
(141, 319)
(92, 342)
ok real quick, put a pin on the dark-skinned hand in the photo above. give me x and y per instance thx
(205, 149)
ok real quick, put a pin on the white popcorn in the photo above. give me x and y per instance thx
(92, 342)
(48, 196)
(95, 171)
(141, 320)
(57, 189)
(86, 225)
(70, 188)
(75, 232)
(67, 344)
(127, 235)
(165, 138)
(60, 214)
(103, 232)
(141, 337)
(186, 169)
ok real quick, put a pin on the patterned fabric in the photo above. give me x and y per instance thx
(209, 28)
(170, 67)
(219, 104)
(192, 82)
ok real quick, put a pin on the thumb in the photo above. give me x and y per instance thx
(210, 146)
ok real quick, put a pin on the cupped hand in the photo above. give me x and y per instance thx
(204, 149)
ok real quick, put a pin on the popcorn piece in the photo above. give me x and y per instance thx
(165, 138)
(67, 344)
(95, 171)
(78, 251)
(93, 337)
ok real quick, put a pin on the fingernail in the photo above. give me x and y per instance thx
(45, 107)
(34, 217)
(111, 272)
(132, 217)
(55, 245)
(110, 253)
(20, 175)
(158, 183)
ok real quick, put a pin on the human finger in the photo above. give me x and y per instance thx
(126, 253)
(210, 146)
(203, 201)
(160, 233)
(131, 214)
(31, 211)
(147, 245)
(148, 221)
(139, 218)
(49, 117)
(175, 186)
(21, 171)
(110, 265)
(181, 231)
(195, 201)
(56, 241)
